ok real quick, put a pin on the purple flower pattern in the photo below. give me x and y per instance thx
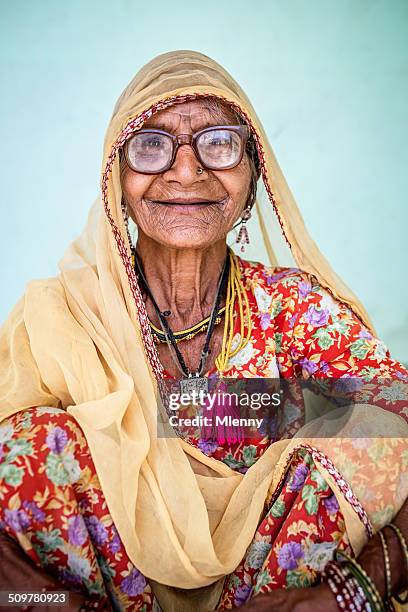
(57, 440)
(348, 384)
(364, 333)
(323, 366)
(309, 366)
(17, 520)
(241, 594)
(77, 532)
(36, 512)
(273, 278)
(289, 555)
(265, 320)
(96, 529)
(331, 504)
(207, 445)
(67, 577)
(305, 287)
(115, 543)
(298, 479)
(134, 584)
(317, 316)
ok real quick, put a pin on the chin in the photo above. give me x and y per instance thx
(186, 239)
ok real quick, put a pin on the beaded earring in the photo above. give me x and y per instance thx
(243, 236)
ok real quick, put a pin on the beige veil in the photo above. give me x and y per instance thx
(80, 341)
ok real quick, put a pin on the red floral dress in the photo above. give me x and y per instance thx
(53, 505)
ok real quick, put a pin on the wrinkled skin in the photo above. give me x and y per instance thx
(183, 248)
(180, 228)
(182, 252)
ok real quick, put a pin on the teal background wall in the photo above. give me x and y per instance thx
(327, 77)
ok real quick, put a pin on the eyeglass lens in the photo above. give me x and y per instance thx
(152, 152)
(219, 148)
(149, 152)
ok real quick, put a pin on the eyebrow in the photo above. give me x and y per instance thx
(209, 116)
(167, 128)
(157, 126)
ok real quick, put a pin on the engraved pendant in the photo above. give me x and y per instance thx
(194, 384)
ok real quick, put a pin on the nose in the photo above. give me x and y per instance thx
(184, 168)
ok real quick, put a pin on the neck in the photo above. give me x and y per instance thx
(183, 281)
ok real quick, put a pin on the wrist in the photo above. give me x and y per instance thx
(371, 560)
(399, 562)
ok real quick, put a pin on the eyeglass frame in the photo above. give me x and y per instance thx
(179, 140)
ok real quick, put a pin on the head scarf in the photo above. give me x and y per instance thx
(81, 341)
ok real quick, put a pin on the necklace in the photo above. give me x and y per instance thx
(231, 344)
(235, 293)
(186, 334)
(192, 381)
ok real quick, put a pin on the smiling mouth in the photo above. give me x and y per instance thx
(188, 203)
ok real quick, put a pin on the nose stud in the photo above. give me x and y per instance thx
(200, 170)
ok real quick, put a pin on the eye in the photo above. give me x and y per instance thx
(219, 141)
(153, 143)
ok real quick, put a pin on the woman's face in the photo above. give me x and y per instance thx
(187, 225)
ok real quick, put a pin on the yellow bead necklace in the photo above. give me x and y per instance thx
(235, 292)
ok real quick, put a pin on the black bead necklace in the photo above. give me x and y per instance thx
(192, 381)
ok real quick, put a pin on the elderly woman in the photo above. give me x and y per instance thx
(91, 492)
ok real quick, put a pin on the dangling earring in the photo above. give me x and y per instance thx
(243, 236)
(125, 215)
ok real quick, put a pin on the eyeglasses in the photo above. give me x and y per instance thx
(218, 147)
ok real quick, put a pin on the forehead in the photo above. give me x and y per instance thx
(197, 114)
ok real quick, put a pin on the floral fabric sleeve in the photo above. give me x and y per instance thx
(320, 336)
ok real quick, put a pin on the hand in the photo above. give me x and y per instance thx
(372, 559)
(312, 599)
(321, 599)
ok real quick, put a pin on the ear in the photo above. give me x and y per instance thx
(253, 188)
(252, 152)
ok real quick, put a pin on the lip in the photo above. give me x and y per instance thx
(188, 205)
(188, 202)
